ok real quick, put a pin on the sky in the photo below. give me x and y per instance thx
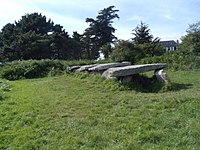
(167, 19)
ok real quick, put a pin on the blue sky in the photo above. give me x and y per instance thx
(167, 19)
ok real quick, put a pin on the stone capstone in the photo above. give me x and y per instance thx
(73, 68)
(102, 67)
(132, 69)
(85, 68)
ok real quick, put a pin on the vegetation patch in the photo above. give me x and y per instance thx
(4, 87)
(88, 112)
(82, 111)
(36, 68)
(175, 60)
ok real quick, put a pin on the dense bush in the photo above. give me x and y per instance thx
(128, 51)
(176, 61)
(36, 68)
(123, 51)
(41, 68)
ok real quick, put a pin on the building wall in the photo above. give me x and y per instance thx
(170, 49)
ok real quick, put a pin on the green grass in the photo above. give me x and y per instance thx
(88, 112)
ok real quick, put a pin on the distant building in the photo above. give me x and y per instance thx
(169, 45)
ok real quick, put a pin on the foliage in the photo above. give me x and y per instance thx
(128, 51)
(191, 41)
(36, 37)
(146, 50)
(145, 45)
(36, 68)
(29, 69)
(142, 35)
(33, 37)
(175, 60)
(142, 46)
(81, 112)
(100, 32)
(106, 50)
(123, 51)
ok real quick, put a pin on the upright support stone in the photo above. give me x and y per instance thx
(162, 76)
(126, 79)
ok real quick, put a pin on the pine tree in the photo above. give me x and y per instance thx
(144, 44)
(142, 34)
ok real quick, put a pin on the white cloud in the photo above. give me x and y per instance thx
(169, 17)
(135, 18)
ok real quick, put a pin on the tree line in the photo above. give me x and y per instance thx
(35, 37)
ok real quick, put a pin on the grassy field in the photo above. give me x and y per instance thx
(87, 112)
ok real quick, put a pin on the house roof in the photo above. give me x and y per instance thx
(170, 43)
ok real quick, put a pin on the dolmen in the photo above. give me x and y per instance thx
(125, 74)
(123, 71)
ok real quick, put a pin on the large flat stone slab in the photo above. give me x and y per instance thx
(73, 68)
(103, 67)
(85, 68)
(131, 70)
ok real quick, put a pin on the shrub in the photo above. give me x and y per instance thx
(175, 60)
(123, 51)
(36, 68)
(28, 69)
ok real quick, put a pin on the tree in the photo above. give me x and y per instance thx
(191, 41)
(91, 38)
(78, 47)
(123, 51)
(35, 37)
(8, 42)
(26, 38)
(105, 19)
(144, 44)
(193, 28)
(142, 34)
(100, 31)
(33, 46)
(34, 22)
(106, 49)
